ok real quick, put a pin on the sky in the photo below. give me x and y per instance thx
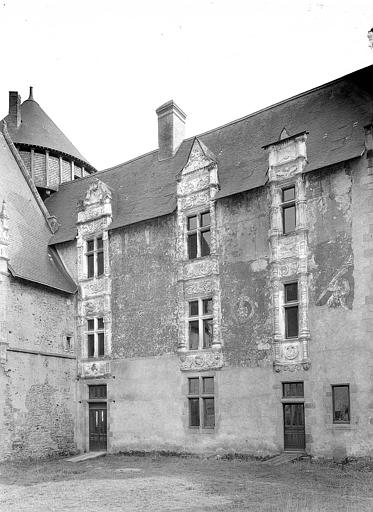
(101, 68)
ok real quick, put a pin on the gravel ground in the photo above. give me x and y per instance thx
(160, 483)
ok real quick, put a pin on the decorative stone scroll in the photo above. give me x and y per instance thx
(88, 370)
(195, 269)
(201, 361)
(199, 287)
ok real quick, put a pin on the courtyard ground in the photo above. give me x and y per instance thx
(167, 483)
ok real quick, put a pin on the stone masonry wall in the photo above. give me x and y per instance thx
(37, 405)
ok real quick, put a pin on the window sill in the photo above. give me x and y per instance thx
(198, 430)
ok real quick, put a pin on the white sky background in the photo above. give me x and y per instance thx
(101, 68)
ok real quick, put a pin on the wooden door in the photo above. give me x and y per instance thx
(97, 427)
(294, 435)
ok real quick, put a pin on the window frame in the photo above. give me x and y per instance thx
(202, 396)
(288, 305)
(285, 205)
(289, 396)
(95, 252)
(95, 332)
(198, 230)
(201, 317)
(336, 421)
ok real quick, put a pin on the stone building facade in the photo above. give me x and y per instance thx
(212, 295)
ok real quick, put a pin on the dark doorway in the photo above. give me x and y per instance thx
(97, 427)
(294, 436)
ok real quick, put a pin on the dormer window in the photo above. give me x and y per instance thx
(95, 257)
(199, 235)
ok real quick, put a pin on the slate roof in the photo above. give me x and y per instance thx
(38, 130)
(334, 115)
(30, 257)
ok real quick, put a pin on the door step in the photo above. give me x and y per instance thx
(283, 458)
(85, 456)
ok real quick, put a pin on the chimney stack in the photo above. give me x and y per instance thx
(14, 108)
(171, 129)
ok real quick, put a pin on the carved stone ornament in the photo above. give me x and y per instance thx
(195, 269)
(94, 369)
(291, 351)
(200, 156)
(200, 287)
(195, 200)
(305, 365)
(189, 186)
(53, 224)
(201, 361)
(98, 193)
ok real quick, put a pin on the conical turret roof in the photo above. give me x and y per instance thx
(38, 130)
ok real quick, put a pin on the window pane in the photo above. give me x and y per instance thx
(99, 243)
(91, 345)
(193, 308)
(208, 412)
(205, 243)
(90, 245)
(207, 333)
(193, 335)
(208, 384)
(91, 325)
(194, 386)
(90, 265)
(293, 389)
(291, 322)
(194, 412)
(100, 263)
(288, 194)
(341, 403)
(205, 219)
(207, 306)
(100, 323)
(192, 222)
(291, 292)
(101, 343)
(289, 222)
(97, 391)
(192, 246)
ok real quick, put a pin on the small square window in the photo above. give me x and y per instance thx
(341, 403)
(292, 390)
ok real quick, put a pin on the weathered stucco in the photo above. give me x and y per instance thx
(144, 307)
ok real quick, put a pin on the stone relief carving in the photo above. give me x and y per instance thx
(245, 308)
(199, 158)
(291, 351)
(97, 193)
(94, 369)
(306, 365)
(189, 186)
(288, 269)
(201, 361)
(195, 200)
(200, 287)
(194, 269)
(93, 307)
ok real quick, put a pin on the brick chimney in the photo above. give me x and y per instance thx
(14, 108)
(171, 128)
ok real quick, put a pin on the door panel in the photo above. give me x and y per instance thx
(294, 435)
(97, 427)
